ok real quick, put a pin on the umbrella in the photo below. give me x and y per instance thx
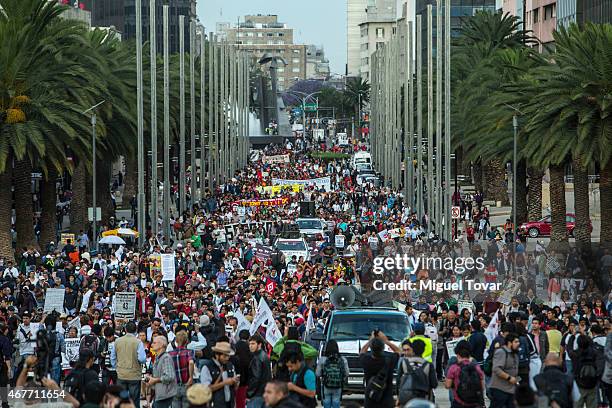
(127, 231)
(112, 240)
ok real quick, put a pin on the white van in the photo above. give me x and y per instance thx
(361, 158)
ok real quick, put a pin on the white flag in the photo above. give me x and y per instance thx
(262, 315)
(491, 330)
(76, 322)
(310, 324)
(158, 312)
(273, 335)
(243, 323)
(85, 303)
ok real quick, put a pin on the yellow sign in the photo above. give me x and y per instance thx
(295, 188)
(65, 237)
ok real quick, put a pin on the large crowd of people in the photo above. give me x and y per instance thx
(198, 339)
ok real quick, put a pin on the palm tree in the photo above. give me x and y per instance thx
(40, 103)
(357, 94)
(576, 90)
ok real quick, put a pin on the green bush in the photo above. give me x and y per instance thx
(329, 155)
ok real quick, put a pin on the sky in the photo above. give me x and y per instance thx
(318, 22)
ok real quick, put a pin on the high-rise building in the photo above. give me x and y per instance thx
(121, 14)
(379, 27)
(581, 11)
(317, 66)
(264, 34)
(460, 11)
(355, 15)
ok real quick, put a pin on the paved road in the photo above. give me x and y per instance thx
(356, 401)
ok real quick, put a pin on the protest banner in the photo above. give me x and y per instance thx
(64, 237)
(318, 183)
(279, 158)
(465, 304)
(292, 188)
(511, 290)
(263, 314)
(155, 264)
(450, 346)
(54, 300)
(273, 335)
(168, 267)
(71, 355)
(339, 241)
(271, 202)
(263, 253)
(125, 305)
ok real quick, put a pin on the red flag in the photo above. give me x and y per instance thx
(270, 286)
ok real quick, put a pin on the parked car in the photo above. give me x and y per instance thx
(543, 227)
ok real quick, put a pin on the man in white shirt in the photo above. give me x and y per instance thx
(26, 334)
(10, 271)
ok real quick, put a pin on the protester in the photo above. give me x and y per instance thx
(505, 372)
(162, 378)
(332, 369)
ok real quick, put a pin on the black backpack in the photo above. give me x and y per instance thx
(587, 376)
(376, 386)
(414, 382)
(469, 389)
(74, 385)
(91, 343)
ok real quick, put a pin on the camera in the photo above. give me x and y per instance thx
(43, 354)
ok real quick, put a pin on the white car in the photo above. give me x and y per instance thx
(364, 175)
(293, 246)
(312, 227)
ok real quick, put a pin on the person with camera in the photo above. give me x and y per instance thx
(53, 343)
(26, 337)
(162, 378)
(27, 378)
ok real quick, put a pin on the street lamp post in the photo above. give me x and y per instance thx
(142, 219)
(153, 64)
(94, 229)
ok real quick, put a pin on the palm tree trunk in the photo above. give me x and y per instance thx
(6, 212)
(534, 203)
(24, 212)
(477, 175)
(48, 199)
(582, 232)
(78, 205)
(130, 180)
(605, 198)
(495, 184)
(103, 197)
(521, 191)
(558, 234)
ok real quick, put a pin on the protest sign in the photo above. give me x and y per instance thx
(318, 183)
(465, 304)
(339, 241)
(279, 158)
(273, 335)
(450, 346)
(54, 300)
(168, 267)
(511, 290)
(72, 352)
(155, 264)
(125, 305)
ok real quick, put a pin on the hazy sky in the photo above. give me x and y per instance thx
(318, 22)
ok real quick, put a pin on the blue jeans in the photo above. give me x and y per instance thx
(56, 370)
(133, 387)
(332, 397)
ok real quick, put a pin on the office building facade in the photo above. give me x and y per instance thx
(121, 14)
(261, 34)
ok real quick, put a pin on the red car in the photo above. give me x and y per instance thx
(543, 227)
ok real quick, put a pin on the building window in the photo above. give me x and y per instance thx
(268, 35)
(550, 11)
(260, 34)
(536, 15)
(379, 44)
(364, 31)
(296, 51)
(295, 60)
(295, 69)
(380, 33)
(281, 69)
(280, 35)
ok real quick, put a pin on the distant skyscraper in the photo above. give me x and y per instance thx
(122, 15)
(355, 15)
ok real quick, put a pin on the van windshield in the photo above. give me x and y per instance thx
(359, 326)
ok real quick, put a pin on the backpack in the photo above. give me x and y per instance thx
(414, 382)
(587, 377)
(469, 389)
(333, 372)
(376, 386)
(90, 342)
(524, 353)
(74, 385)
